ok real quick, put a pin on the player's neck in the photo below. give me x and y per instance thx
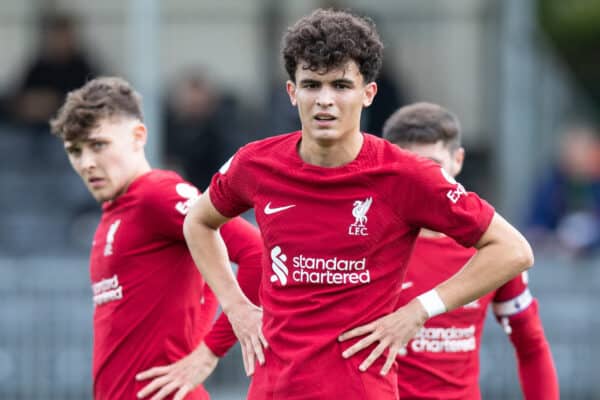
(330, 153)
(426, 233)
(142, 168)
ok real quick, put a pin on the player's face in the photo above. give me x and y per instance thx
(330, 104)
(451, 161)
(110, 158)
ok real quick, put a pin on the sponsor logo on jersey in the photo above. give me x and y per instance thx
(110, 238)
(444, 340)
(107, 290)
(189, 193)
(455, 194)
(273, 210)
(359, 212)
(280, 271)
(406, 285)
(326, 271)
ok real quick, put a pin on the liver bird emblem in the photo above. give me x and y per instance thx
(360, 211)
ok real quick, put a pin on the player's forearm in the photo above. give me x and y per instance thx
(486, 271)
(210, 255)
(503, 253)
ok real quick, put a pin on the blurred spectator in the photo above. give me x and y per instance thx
(199, 125)
(58, 67)
(565, 210)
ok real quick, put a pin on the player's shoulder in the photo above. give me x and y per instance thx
(158, 181)
(387, 155)
(264, 152)
(162, 185)
(271, 145)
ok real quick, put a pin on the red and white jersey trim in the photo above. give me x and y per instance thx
(514, 305)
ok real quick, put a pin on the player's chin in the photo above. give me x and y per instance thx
(100, 195)
(326, 134)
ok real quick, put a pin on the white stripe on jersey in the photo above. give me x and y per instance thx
(513, 306)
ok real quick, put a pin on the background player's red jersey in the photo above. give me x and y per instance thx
(442, 361)
(151, 305)
(336, 244)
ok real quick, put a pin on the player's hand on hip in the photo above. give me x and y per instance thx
(391, 332)
(181, 377)
(246, 320)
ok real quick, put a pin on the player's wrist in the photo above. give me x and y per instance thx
(205, 351)
(432, 303)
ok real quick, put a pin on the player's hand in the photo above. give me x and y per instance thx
(183, 376)
(246, 321)
(392, 331)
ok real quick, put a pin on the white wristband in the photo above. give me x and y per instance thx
(432, 303)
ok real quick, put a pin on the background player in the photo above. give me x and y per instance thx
(339, 211)
(151, 304)
(443, 359)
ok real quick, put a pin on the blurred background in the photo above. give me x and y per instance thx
(523, 76)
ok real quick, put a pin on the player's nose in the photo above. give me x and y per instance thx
(87, 160)
(325, 97)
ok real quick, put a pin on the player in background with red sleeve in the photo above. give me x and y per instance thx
(151, 306)
(339, 211)
(442, 361)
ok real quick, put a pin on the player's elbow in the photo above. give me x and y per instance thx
(522, 255)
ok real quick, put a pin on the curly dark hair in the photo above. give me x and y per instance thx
(97, 100)
(326, 39)
(421, 123)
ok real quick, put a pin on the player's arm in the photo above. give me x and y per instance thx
(244, 246)
(521, 321)
(503, 254)
(210, 255)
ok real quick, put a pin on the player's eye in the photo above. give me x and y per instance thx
(310, 85)
(74, 151)
(98, 145)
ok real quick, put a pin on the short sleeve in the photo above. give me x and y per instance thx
(429, 197)
(231, 188)
(513, 297)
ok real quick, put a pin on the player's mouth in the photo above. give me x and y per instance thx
(95, 182)
(323, 119)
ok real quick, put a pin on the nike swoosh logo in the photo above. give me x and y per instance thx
(269, 210)
(406, 285)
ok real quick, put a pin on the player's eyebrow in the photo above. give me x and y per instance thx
(344, 81)
(309, 80)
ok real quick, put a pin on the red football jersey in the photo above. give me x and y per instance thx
(443, 359)
(336, 244)
(151, 304)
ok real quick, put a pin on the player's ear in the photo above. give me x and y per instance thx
(369, 94)
(290, 87)
(458, 158)
(140, 135)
